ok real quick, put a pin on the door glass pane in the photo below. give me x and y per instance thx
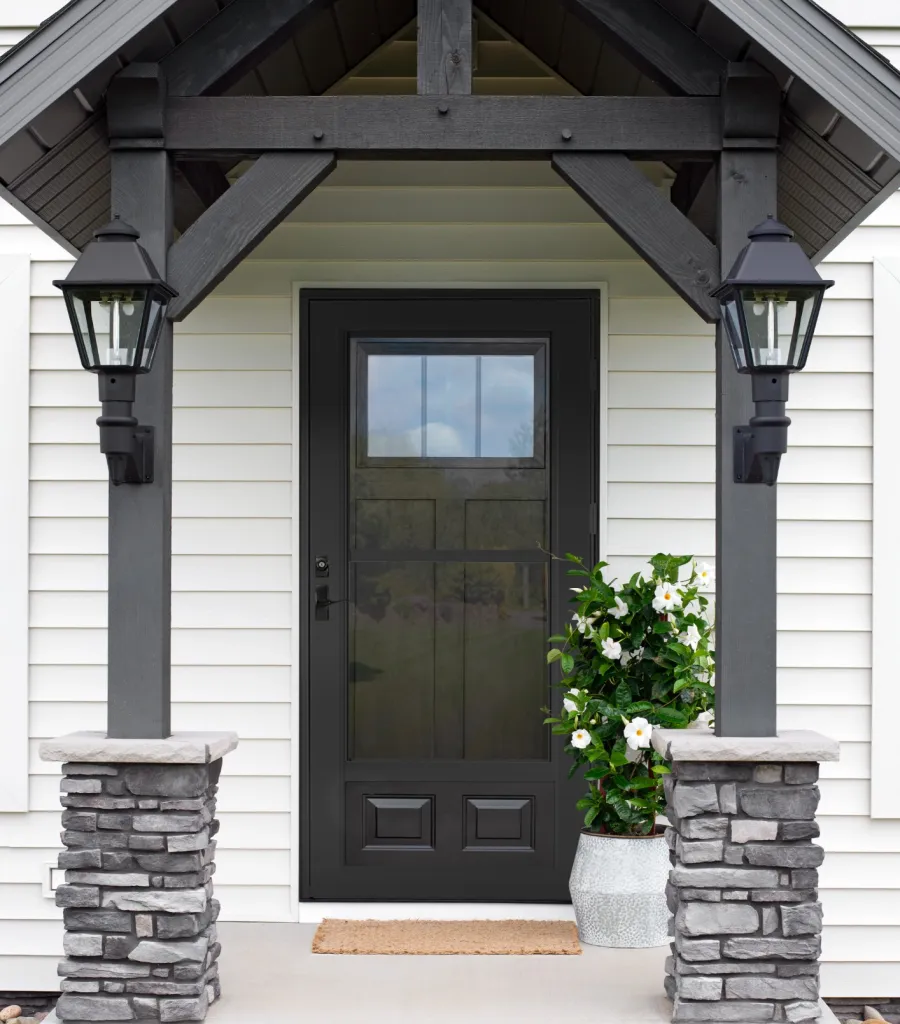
(451, 418)
(507, 406)
(447, 649)
(395, 405)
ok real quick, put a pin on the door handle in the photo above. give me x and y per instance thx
(324, 603)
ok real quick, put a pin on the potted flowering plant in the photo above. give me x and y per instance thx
(636, 657)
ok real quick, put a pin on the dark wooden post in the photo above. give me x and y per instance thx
(140, 516)
(445, 47)
(746, 514)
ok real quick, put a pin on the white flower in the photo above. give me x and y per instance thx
(577, 590)
(703, 721)
(575, 692)
(638, 732)
(569, 705)
(702, 676)
(581, 738)
(666, 598)
(691, 637)
(693, 608)
(620, 609)
(582, 624)
(612, 649)
(706, 576)
(626, 657)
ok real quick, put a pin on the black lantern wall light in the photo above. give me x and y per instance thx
(117, 305)
(770, 305)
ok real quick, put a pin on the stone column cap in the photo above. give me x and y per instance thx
(179, 748)
(704, 745)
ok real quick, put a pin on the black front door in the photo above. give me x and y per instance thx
(448, 445)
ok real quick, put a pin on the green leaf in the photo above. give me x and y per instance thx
(618, 759)
(662, 626)
(623, 695)
(643, 783)
(578, 572)
(553, 655)
(567, 662)
(551, 721)
(661, 769)
(584, 803)
(596, 773)
(640, 708)
(591, 817)
(670, 717)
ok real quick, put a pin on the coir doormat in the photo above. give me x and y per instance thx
(447, 938)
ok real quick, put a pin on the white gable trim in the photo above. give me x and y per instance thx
(885, 545)
(15, 301)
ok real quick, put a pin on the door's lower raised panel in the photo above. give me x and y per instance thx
(449, 823)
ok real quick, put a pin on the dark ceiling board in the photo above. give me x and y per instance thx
(75, 193)
(473, 124)
(509, 14)
(393, 15)
(444, 51)
(357, 22)
(231, 229)
(543, 28)
(658, 43)
(71, 158)
(321, 52)
(644, 218)
(226, 48)
(579, 54)
(615, 75)
(281, 73)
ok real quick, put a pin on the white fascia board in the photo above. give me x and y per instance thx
(15, 301)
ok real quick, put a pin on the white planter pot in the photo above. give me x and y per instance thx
(618, 888)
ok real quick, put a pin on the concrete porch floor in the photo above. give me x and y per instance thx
(268, 972)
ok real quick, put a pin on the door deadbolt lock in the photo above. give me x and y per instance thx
(322, 566)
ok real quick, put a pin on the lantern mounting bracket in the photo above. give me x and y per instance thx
(747, 469)
(127, 445)
(134, 466)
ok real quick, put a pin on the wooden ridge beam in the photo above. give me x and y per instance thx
(660, 233)
(657, 43)
(228, 46)
(231, 228)
(475, 125)
(444, 47)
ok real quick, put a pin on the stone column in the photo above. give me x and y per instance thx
(743, 889)
(139, 914)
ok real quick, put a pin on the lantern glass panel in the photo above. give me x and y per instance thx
(156, 314)
(735, 331)
(778, 326)
(111, 324)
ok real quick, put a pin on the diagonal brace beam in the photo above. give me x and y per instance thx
(226, 48)
(634, 208)
(231, 228)
(658, 43)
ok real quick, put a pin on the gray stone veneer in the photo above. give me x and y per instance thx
(743, 891)
(139, 914)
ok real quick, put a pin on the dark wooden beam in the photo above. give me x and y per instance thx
(661, 234)
(140, 516)
(237, 223)
(658, 43)
(694, 192)
(220, 53)
(445, 47)
(746, 514)
(410, 125)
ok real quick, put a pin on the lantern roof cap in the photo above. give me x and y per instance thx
(115, 258)
(772, 259)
